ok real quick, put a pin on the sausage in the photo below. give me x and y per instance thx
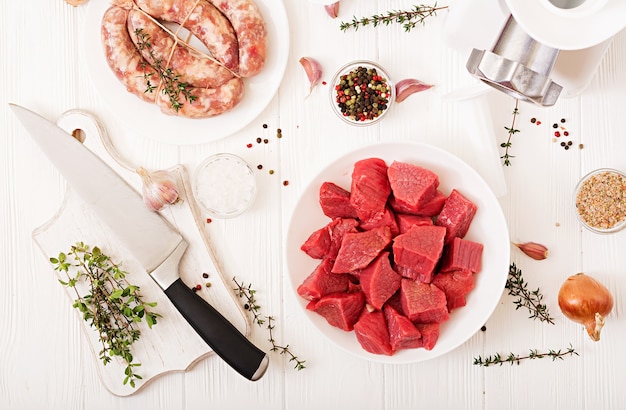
(249, 25)
(191, 67)
(133, 71)
(202, 19)
(122, 55)
(209, 102)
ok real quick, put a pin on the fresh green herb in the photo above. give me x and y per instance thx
(516, 359)
(251, 306)
(172, 86)
(408, 18)
(511, 130)
(530, 300)
(112, 305)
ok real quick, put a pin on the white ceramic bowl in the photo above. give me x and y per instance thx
(350, 67)
(488, 227)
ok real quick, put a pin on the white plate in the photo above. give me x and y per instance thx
(488, 227)
(146, 119)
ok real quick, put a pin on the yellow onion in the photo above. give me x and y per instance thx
(584, 300)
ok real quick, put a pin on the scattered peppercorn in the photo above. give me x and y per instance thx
(557, 134)
(208, 284)
(563, 143)
(563, 120)
(538, 122)
(249, 145)
(285, 183)
(533, 120)
(565, 133)
(483, 328)
(271, 172)
(195, 289)
(581, 146)
(566, 147)
(265, 141)
(258, 140)
(569, 142)
(555, 125)
(209, 220)
(259, 166)
(205, 275)
(264, 125)
(198, 287)
(362, 94)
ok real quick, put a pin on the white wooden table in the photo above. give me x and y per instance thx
(44, 358)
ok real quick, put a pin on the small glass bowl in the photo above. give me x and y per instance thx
(592, 194)
(224, 185)
(347, 69)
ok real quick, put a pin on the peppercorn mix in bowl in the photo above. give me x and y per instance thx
(600, 200)
(362, 93)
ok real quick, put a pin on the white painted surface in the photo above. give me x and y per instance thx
(46, 361)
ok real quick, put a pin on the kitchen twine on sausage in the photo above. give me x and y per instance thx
(131, 4)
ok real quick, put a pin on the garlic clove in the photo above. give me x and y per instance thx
(332, 9)
(409, 86)
(75, 2)
(313, 70)
(159, 188)
(535, 250)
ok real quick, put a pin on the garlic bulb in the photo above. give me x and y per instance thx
(159, 188)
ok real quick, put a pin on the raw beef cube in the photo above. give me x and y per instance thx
(369, 188)
(359, 249)
(394, 302)
(407, 221)
(430, 334)
(423, 302)
(338, 230)
(321, 282)
(456, 285)
(412, 186)
(461, 254)
(317, 246)
(456, 215)
(372, 333)
(419, 249)
(434, 206)
(379, 281)
(335, 201)
(402, 332)
(341, 310)
(388, 218)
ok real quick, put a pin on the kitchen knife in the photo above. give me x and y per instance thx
(148, 236)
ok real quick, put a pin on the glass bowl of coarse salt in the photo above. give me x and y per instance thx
(224, 185)
(600, 199)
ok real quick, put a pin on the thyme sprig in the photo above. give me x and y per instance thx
(516, 359)
(112, 305)
(511, 130)
(248, 293)
(172, 86)
(408, 18)
(531, 300)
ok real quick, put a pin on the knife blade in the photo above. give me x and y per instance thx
(150, 238)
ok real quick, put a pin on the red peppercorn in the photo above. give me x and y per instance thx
(209, 220)
(198, 287)
(249, 145)
(557, 134)
(565, 133)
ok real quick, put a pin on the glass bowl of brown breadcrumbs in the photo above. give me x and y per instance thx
(600, 199)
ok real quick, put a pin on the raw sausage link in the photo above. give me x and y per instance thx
(203, 20)
(192, 68)
(210, 101)
(122, 55)
(129, 67)
(246, 19)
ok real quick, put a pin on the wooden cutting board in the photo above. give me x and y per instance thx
(171, 345)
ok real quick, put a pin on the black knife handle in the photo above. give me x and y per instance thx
(225, 340)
